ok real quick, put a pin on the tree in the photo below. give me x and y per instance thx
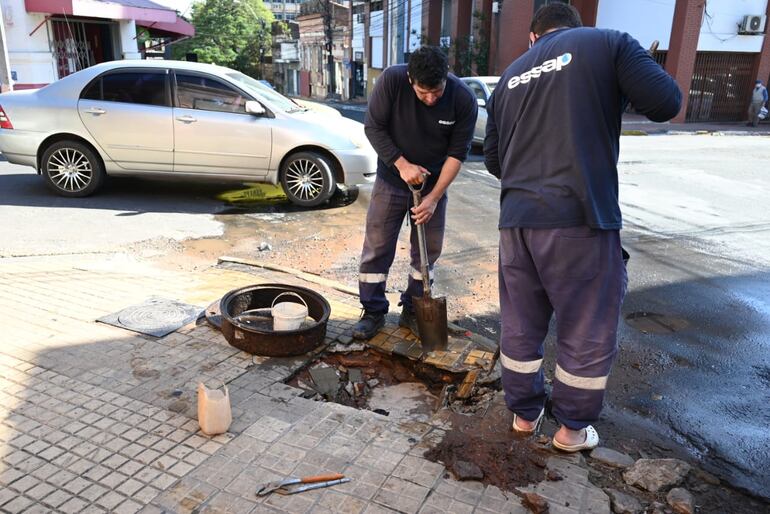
(232, 33)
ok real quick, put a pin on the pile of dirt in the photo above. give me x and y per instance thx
(485, 440)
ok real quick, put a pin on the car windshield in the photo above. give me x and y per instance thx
(491, 85)
(274, 97)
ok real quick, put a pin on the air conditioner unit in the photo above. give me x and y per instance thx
(753, 24)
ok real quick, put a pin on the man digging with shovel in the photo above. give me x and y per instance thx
(420, 121)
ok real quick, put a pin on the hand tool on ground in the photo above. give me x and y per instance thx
(298, 488)
(430, 312)
(269, 487)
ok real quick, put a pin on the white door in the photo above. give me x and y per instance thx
(128, 113)
(213, 132)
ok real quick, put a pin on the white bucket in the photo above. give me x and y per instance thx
(288, 315)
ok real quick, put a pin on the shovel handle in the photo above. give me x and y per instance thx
(321, 478)
(416, 194)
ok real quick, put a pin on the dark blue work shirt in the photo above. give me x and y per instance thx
(553, 130)
(397, 123)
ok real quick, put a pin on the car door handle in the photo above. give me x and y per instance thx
(187, 119)
(96, 111)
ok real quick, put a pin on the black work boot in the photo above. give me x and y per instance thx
(369, 324)
(408, 319)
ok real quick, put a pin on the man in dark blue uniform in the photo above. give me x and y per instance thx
(552, 139)
(420, 121)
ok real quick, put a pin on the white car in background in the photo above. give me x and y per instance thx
(179, 120)
(482, 87)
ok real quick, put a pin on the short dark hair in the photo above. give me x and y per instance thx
(428, 66)
(553, 16)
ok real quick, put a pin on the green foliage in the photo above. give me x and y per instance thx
(232, 33)
(469, 51)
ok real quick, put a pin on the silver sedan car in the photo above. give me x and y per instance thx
(482, 87)
(179, 120)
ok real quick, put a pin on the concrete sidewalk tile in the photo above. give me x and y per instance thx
(18, 504)
(73, 506)
(223, 502)
(419, 471)
(186, 496)
(440, 504)
(469, 492)
(379, 459)
(401, 495)
(344, 447)
(373, 508)
(341, 503)
(495, 500)
(364, 482)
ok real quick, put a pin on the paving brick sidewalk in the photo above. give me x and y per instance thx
(94, 418)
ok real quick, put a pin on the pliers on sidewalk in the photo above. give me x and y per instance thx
(294, 485)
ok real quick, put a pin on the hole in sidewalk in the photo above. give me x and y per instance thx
(394, 386)
(479, 445)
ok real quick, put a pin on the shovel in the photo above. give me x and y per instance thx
(430, 312)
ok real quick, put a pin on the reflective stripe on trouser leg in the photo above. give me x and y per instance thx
(583, 272)
(434, 241)
(386, 212)
(524, 315)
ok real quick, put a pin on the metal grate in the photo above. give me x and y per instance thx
(721, 86)
(71, 47)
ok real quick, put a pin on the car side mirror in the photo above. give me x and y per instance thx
(254, 108)
(481, 102)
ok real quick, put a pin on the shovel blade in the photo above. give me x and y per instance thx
(431, 322)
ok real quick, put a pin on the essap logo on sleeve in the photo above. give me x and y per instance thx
(548, 66)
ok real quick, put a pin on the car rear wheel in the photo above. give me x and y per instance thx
(307, 179)
(72, 169)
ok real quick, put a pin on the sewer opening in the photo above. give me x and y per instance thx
(392, 385)
(476, 441)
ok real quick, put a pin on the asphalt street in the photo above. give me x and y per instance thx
(693, 373)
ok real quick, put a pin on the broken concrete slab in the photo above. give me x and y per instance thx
(575, 493)
(623, 503)
(326, 380)
(612, 458)
(681, 501)
(656, 474)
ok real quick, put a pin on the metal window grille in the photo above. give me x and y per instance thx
(721, 86)
(71, 48)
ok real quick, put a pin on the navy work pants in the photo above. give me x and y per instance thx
(388, 207)
(578, 274)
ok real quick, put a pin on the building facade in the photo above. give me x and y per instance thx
(49, 39)
(714, 48)
(324, 27)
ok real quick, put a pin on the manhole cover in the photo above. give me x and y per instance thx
(654, 323)
(156, 317)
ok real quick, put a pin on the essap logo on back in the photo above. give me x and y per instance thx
(548, 66)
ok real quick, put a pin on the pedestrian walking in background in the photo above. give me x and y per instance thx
(420, 121)
(553, 135)
(758, 100)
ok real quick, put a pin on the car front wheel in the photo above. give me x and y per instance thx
(72, 169)
(307, 179)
